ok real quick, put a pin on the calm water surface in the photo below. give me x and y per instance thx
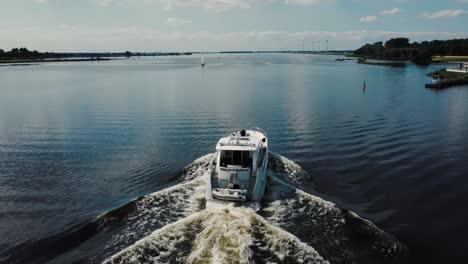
(78, 139)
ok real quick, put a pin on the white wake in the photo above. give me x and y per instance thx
(290, 226)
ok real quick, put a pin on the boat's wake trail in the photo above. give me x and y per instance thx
(219, 234)
(178, 225)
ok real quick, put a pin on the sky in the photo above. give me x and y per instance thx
(214, 25)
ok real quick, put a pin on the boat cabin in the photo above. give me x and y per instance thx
(241, 158)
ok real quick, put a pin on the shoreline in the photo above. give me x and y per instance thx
(386, 64)
(449, 79)
(75, 57)
(22, 61)
(435, 59)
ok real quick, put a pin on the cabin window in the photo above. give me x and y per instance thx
(236, 158)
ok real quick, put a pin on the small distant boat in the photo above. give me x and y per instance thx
(434, 84)
(239, 168)
(203, 61)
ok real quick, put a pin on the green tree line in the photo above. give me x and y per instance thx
(24, 53)
(420, 53)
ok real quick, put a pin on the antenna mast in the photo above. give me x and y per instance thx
(326, 52)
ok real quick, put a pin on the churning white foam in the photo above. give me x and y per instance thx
(187, 228)
(164, 207)
(224, 234)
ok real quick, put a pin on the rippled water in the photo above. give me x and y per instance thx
(79, 139)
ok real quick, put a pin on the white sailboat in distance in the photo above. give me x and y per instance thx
(202, 61)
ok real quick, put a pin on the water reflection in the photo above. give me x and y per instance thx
(79, 138)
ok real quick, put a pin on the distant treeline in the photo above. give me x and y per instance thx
(420, 53)
(236, 51)
(25, 54)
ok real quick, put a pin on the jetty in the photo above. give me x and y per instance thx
(447, 78)
(460, 67)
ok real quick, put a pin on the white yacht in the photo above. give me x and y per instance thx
(239, 167)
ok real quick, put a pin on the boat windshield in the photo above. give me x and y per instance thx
(236, 158)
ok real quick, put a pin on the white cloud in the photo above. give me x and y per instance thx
(134, 38)
(445, 13)
(176, 21)
(41, 1)
(217, 5)
(368, 19)
(211, 4)
(109, 2)
(306, 2)
(390, 12)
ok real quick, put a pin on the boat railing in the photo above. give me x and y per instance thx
(237, 144)
(233, 169)
(257, 129)
(260, 130)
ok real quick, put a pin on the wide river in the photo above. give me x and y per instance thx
(79, 139)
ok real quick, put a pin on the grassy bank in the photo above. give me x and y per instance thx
(339, 53)
(449, 79)
(387, 64)
(435, 59)
(345, 59)
(449, 58)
